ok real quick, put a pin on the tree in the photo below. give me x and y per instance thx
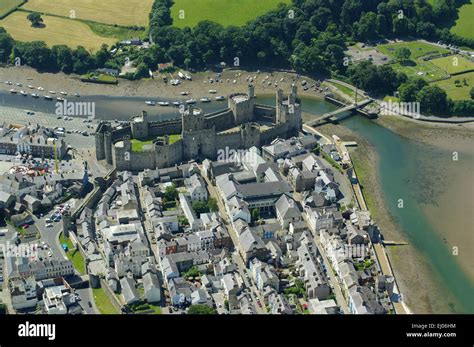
(200, 207)
(402, 53)
(212, 205)
(192, 272)
(472, 93)
(171, 193)
(409, 90)
(433, 100)
(255, 214)
(201, 309)
(35, 19)
(6, 46)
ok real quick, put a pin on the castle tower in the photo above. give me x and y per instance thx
(140, 126)
(293, 94)
(289, 110)
(279, 97)
(251, 91)
(108, 147)
(99, 146)
(66, 224)
(123, 154)
(249, 135)
(192, 119)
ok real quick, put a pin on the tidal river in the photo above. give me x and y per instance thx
(429, 192)
(429, 196)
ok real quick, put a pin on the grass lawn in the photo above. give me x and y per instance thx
(418, 49)
(346, 90)
(116, 32)
(453, 64)
(173, 138)
(151, 309)
(73, 254)
(140, 146)
(429, 72)
(225, 12)
(57, 31)
(102, 302)
(416, 67)
(464, 26)
(6, 6)
(127, 13)
(108, 79)
(461, 92)
(361, 166)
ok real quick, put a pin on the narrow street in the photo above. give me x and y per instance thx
(236, 256)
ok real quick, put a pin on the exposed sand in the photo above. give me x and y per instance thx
(153, 88)
(458, 200)
(411, 269)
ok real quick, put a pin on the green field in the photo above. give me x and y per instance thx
(173, 138)
(127, 13)
(73, 254)
(140, 146)
(453, 64)
(103, 302)
(6, 6)
(461, 90)
(464, 26)
(225, 12)
(422, 69)
(418, 49)
(57, 31)
(416, 67)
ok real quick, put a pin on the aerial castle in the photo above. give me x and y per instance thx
(242, 125)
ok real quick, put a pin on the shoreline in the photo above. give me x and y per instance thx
(155, 87)
(406, 260)
(411, 268)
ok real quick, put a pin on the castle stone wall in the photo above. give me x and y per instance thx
(222, 120)
(166, 128)
(230, 140)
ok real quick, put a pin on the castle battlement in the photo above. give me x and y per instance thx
(202, 135)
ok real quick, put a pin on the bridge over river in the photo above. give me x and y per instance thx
(333, 116)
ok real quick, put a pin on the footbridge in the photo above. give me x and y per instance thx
(333, 116)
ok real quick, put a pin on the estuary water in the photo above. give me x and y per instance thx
(429, 195)
(429, 192)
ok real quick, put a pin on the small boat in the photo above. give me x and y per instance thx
(176, 103)
(18, 84)
(22, 92)
(184, 93)
(181, 75)
(8, 82)
(52, 92)
(40, 88)
(205, 99)
(30, 86)
(191, 101)
(220, 98)
(163, 103)
(47, 97)
(63, 93)
(150, 103)
(212, 91)
(34, 95)
(188, 77)
(13, 91)
(76, 95)
(59, 99)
